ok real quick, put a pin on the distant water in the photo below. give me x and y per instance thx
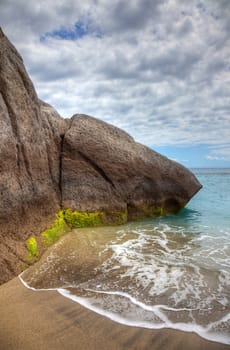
(169, 272)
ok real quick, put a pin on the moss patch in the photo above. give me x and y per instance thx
(77, 219)
(58, 228)
(67, 220)
(32, 247)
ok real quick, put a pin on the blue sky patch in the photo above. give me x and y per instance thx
(193, 156)
(78, 31)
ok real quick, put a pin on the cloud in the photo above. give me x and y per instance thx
(220, 154)
(129, 15)
(158, 69)
(216, 158)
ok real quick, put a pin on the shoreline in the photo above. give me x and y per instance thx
(45, 320)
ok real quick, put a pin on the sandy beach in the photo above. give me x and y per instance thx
(45, 320)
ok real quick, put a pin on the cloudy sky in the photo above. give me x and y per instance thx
(160, 69)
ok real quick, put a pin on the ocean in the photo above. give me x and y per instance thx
(169, 272)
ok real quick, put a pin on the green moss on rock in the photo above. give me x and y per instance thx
(32, 247)
(68, 219)
(77, 219)
(58, 228)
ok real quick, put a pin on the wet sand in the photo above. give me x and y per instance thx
(32, 320)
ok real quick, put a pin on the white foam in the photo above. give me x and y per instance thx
(186, 327)
(31, 288)
(204, 332)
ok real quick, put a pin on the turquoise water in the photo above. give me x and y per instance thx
(169, 272)
(212, 203)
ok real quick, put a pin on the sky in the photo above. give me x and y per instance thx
(158, 69)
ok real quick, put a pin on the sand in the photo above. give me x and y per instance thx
(32, 320)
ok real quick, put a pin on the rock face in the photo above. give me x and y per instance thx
(30, 156)
(103, 168)
(49, 163)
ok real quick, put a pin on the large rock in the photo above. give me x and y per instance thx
(49, 163)
(104, 169)
(30, 158)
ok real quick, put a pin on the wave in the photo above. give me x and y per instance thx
(158, 310)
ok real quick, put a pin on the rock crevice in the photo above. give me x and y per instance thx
(62, 136)
(97, 168)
